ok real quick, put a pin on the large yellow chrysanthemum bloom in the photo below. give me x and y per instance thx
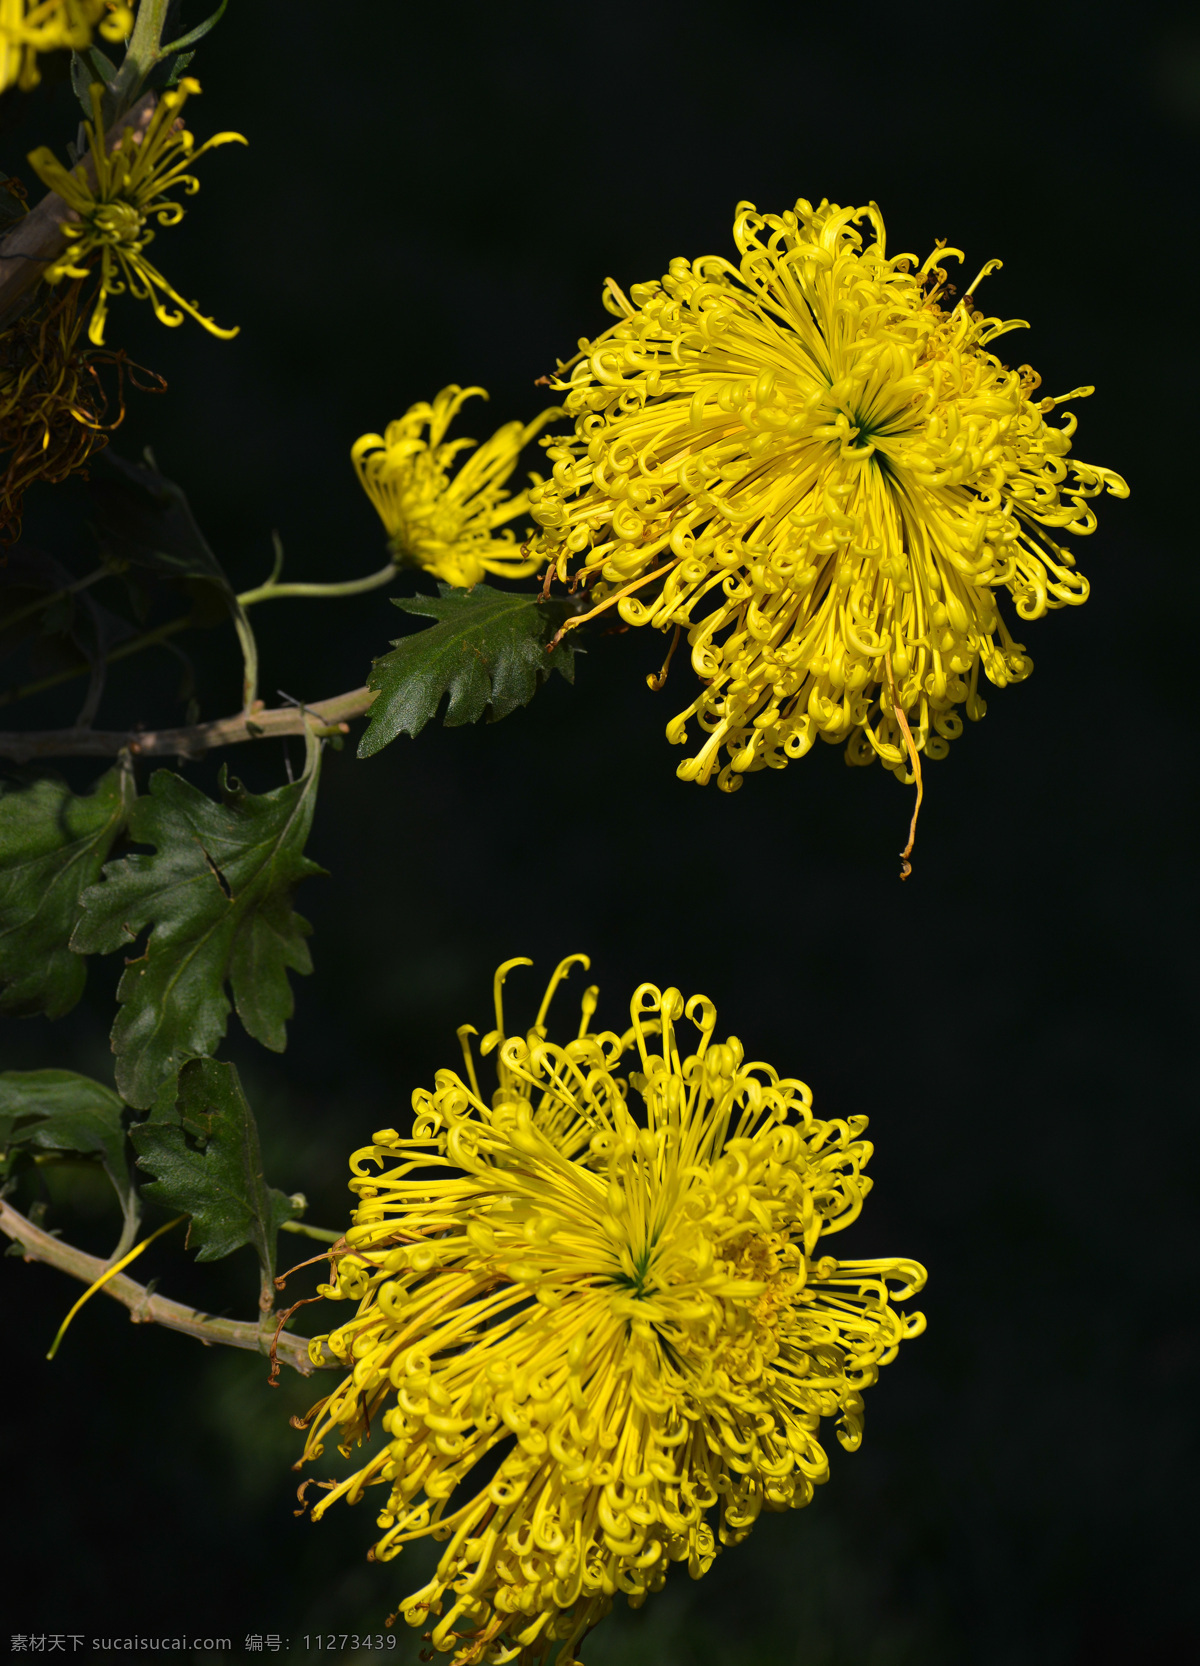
(133, 185)
(631, 1311)
(812, 464)
(444, 521)
(28, 27)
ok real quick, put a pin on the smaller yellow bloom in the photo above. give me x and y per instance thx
(447, 523)
(28, 27)
(133, 182)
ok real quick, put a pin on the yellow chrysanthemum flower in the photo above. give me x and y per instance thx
(812, 464)
(133, 182)
(444, 521)
(28, 27)
(626, 1318)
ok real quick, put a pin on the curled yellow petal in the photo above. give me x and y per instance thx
(110, 1272)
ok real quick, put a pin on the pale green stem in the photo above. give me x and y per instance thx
(323, 1233)
(249, 653)
(131, 1212)
(54, 596)
(134, 646)
(269, 591)
(141, 54)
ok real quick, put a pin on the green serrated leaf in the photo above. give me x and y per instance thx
(205, 1157)
(52, 846)
(217, 893)
(58, 1110)
(487, 649)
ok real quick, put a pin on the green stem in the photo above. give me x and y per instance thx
(52, 597)
(321, 1232)
(134, 646)
(351, 587)
(249, 646)
(141, 55)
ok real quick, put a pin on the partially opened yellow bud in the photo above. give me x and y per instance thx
(446, 516)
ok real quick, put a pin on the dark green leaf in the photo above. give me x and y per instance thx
(217, 893)
(487, 649)
(144, 518)
(52, 846)
(56, 1110)
(173, 68)
(88, 68)
(205, 1158)
(198, 33)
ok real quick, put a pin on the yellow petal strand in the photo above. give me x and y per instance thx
(110, 1272)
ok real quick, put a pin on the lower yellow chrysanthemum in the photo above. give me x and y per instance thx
(447, 523)
(28, 27)
(599, 1341)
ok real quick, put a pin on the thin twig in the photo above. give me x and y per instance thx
(51, 596)
(146, 1307)
(320, 717)
(134, 646)
(657, 684)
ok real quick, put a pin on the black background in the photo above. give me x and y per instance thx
(435, 195)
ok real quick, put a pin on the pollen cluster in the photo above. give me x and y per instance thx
(597, 1327)
(812, 463)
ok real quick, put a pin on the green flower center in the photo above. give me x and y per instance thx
(118, 223)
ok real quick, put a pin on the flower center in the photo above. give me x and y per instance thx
(636, 1281)
(117, 223)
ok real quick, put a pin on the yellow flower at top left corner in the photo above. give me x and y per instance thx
(130, 193)
(452, 522)
(29, 27)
